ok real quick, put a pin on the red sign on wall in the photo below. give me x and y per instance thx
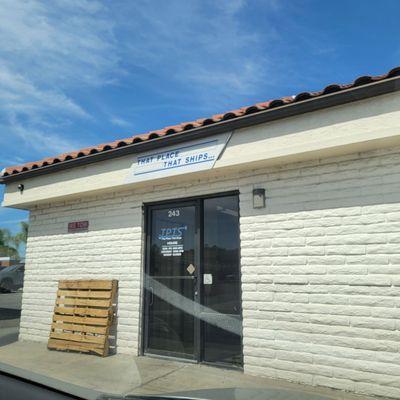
(78, 226)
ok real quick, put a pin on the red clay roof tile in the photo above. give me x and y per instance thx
(187, 126)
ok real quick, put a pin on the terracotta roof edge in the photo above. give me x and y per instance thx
(198, 125)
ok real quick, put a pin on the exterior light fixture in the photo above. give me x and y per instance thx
(21, 188)
(258, 198)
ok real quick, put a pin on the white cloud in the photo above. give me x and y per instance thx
(121, 122)
(59, 42)
(20, 95)
(202, 45)
(47, 51)
(38, 140)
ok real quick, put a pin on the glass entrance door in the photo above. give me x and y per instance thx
(221, 295)
(192, 282)
(171, 281)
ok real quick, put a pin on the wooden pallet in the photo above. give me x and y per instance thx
(83, 315)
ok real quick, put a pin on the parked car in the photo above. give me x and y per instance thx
(12, 277)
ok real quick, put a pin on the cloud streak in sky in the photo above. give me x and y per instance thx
(201, 45)
(48, 51)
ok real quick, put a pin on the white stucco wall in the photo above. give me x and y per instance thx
(320, 266)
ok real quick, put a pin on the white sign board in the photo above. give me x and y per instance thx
(193, 156)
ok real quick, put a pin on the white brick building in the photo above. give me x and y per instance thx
(318, 267)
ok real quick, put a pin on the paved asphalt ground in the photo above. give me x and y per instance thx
(10, 310)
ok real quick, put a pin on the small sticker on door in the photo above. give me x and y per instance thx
(207, 279)
(190, 269)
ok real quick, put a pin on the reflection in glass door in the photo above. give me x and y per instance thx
(193, 295)
(171, 281)
(221, 296)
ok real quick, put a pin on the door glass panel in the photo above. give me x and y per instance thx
(171, 280)
(221, 314)
(173, 314)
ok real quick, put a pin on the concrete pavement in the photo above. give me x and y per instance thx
(122, 374)
(88, 376)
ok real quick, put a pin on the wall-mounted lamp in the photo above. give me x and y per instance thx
(21, 188)
(258, 198)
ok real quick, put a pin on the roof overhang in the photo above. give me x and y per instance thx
(329, 100)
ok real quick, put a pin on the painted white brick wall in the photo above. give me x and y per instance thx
(320, 267)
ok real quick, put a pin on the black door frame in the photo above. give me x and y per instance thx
(146, 304)
(197, 201)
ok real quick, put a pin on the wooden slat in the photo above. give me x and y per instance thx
(83, 315)
(86, 284)
(83, 302)
(88, 294)
(97, 340)
(79, 328)
(57, 344)
(81, 320)
(94, 312)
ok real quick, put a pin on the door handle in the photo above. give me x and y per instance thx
(151, 296)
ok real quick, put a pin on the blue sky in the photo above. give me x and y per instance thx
(75, 73)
